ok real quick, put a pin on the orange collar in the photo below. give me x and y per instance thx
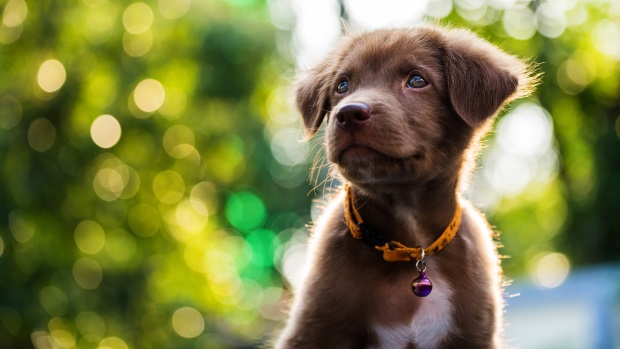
(393, 250)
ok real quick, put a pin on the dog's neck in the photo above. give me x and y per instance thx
(414, 215)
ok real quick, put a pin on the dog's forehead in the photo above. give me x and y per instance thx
(392, 49)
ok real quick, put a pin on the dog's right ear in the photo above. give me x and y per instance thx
(481, 78)
(313, 97)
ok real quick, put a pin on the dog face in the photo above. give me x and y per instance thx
(403, 105)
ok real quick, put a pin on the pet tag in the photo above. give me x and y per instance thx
(421, 286)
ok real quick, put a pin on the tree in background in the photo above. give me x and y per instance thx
(137, 204)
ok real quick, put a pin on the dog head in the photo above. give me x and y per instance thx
(402, 106)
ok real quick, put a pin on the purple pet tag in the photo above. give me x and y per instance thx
(421, 286)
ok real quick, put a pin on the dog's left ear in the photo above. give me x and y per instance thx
(480, 77)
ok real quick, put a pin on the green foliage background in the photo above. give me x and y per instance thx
(166, 239)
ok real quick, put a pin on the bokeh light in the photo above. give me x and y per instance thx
(51, 76)
(188, 322)
(173, 9)
(137, 18)
(15, 12)
(21, 228)
(245, 211)
(90, 325)
(169, 187)
(89, 237)
(105, 131)
(149, 95)
(550, 270)
(179, 141)
(87, 273)
(41, 134)
(10, 112)
(113, 343)
(137, 45)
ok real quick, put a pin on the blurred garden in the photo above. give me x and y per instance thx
(154, 185)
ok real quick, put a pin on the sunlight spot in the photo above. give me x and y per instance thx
(188, 322)
(179, 141)
(89, 237)
(21, 227)
(40, 339)
(87, 273)
(54, 300)
(51, 76)
(527, 131)
(62, 333)
(168, 187)
(523, 151)
(137, 45)
(606, 38)
(90, 325)
(149, 95)
(293, 264)
(224, 281)
(520, 23)
(116, 180)
(245, 211)
(105, 131)
(113, 343)
(15, 12)
(41, 135)
(189, 219)
(551, 270)
(572, 77)
(551, 22)
(204, 198)
(137, 18)
(287, 146)
(173, 9)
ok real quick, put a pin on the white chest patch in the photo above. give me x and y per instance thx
(432, 322)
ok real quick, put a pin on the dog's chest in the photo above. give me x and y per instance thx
(429, 325)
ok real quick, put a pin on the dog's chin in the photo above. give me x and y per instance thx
(366, 165)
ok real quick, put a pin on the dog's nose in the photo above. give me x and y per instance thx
(353, 114)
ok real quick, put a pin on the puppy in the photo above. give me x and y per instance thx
(404, 110)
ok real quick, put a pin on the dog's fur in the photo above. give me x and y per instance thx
(404, 159)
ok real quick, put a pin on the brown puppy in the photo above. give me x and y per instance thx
(405, 109)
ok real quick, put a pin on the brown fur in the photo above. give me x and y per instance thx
(405, 162)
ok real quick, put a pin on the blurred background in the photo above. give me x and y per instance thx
(155, 191)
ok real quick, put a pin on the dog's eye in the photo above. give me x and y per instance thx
(416, 81)
(343, 87)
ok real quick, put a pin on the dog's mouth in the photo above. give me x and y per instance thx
(364, 153)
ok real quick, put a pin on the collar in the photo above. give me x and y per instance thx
(393, 250)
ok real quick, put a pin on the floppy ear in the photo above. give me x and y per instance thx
(312, 97)
(481, 78)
